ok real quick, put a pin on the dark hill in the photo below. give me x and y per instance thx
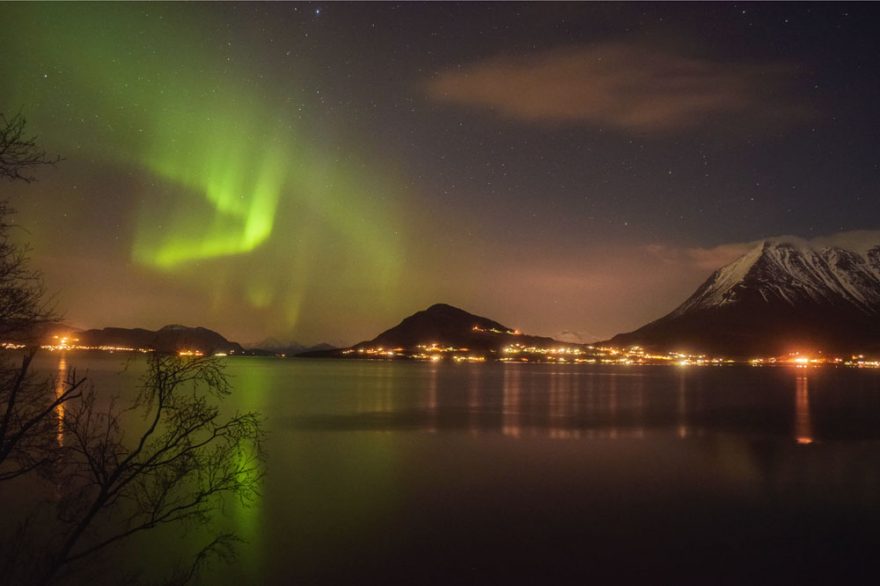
(446, 325)
(171, 338)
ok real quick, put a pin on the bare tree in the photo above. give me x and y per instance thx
(183, 462)
(28, 407)
(19, 152)
(30, 417)
(178, 468)
(24, 310)
(107, 485)
(23, 307)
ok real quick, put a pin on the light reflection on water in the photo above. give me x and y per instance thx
(481, 473)
(572, 402)
(681, 404)
(511, 407)
(61, 386)
(473, 400)
(803, 427)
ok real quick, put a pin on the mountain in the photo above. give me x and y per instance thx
(171, 338)
(783, 295)
(273, 346)
(322, 347)
(446, 325)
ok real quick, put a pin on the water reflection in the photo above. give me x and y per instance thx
(431, 401)
(510, 410)
(514, 400)
(385, 398)
(567, 402)
(561, 407)
(612, 405)
(61, 378)
(803, 425)
(473, 399)
(640, 407)
(518, 401)
(343, 504)
(681, 406)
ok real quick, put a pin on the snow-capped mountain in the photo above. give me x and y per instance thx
(795, 273)
(784, 294)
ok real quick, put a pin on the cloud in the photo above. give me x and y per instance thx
(715, 257)
(708, 259)
(858, 240)
(632, 87)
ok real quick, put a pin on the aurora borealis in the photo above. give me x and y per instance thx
(315, 172)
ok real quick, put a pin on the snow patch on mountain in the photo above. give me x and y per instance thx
(794, 270)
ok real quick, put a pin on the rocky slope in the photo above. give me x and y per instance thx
(785, 294)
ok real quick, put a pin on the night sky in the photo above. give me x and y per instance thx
(316, 172)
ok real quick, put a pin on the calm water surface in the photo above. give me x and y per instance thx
(419, 473)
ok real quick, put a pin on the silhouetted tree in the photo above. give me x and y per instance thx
(28, 407)
(184, 461)
(19, 152)
(107, 485)
(30, 415)
(178, 469)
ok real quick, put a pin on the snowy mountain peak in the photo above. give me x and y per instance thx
(784, 294)
(794, 272)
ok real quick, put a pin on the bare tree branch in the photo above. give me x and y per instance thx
(107, 488)
(29, 418)
(178, 469)
(19, 153)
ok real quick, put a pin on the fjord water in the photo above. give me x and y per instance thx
(424, 473)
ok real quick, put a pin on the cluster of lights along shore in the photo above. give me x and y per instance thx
(66, 343)
(521, 353)
(589, 354)
(563, 354)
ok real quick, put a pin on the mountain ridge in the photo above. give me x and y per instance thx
(444, 325)
(169, 338)
(440, 323)
(783, 294)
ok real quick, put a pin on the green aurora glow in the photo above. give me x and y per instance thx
(227, 184)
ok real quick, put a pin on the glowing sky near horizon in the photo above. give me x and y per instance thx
(276, 170)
